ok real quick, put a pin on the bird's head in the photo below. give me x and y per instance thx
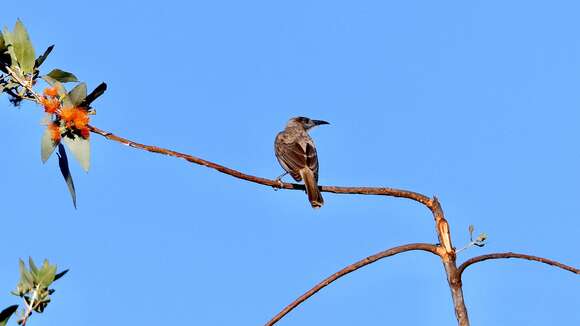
(305, 123)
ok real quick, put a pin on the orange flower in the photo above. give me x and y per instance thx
(52, 91)
(51, 105)
(81, 119)
(85, 132)
(54, 132)
(75, 117)
(67, 114)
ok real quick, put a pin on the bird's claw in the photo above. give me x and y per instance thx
(279, 181)
(279, 185)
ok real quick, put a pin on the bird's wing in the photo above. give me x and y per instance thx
(292, 157)
(312, 159)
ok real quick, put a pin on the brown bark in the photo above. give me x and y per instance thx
(444, 249)
(448, 257)
(349, 269)
(507, 255)
(455, 285)
(383, 191)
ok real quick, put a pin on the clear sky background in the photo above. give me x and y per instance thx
(476, 102)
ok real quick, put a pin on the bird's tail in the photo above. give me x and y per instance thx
(314, 195)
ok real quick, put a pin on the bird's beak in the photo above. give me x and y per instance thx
(320, 122)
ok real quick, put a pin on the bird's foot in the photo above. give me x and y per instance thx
(279, 182)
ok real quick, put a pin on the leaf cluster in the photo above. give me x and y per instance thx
(19, 72)
(481, 239)
(18, 63)
(34, 287)
(71, 137)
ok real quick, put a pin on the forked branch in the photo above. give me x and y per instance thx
(444, 250)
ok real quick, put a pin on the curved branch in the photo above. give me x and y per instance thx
(507, 255)
(445, 250)
(351, 268)
(381, 191)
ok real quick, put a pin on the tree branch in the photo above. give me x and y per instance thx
(448, 258)
(507, 255)
(445, 250)
(349, 269)
(381, 191)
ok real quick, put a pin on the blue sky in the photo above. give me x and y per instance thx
(475, 102)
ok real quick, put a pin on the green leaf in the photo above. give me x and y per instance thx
(6, 314)
(8, 40)
(98, 91)
(66, 102)
(40, 60)
(32, 265)
(4, 55)
(52, 273)
(47, 145)
(481, 239)
(26, 279)
(62, 76)
(64, 169)
(21, 266)
(23, 48)
(471, 229)
(78, 94)
(11, 85)
(81, 150)
(49, 80)
(61, 274)
(60, 89)
(46, 275)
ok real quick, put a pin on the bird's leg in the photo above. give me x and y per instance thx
(279, 180)
(281, 176)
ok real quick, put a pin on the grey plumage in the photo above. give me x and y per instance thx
(296, 153)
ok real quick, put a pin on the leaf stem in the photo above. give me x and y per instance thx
(30, 307)
(27, 84)
(467, 246)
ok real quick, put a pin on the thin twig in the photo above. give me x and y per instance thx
(349, 269)
(467, 246)
(507, 255)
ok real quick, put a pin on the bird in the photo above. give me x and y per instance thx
(296, 153)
